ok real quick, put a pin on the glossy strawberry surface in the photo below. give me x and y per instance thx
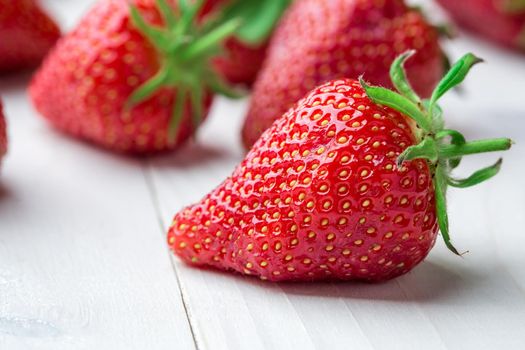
(318, 197)
(26, 34)
(85, 83)
(320, 40)
(489, 19)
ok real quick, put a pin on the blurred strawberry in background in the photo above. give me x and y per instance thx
(502, 21)
(245, 52)
(3, 135)
(320, 40)
(142, 81)
(26, 34)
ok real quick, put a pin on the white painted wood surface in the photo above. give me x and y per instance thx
(84, 265)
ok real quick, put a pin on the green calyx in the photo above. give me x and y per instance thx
(185, 49)
(513, 6)
(259, 18)
(443, 149)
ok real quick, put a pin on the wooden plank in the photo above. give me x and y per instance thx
(472, 303)
(82, 261)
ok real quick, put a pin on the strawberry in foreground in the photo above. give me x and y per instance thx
(26, 34)
(128, 79)
(3, 135)
(349, 184)
(502, 21)
(322, 40)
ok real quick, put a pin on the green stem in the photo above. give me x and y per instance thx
(474, 147)
(398, 102)
(211, 39)
(167, 13)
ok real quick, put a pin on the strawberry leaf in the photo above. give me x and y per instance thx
(513, 6)
(478, 177)
(398, 102)
(259, 18)
(455, 76)
(440, 185)
(426, 149)
(399, 78)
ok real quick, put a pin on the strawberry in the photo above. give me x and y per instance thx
(26, 34)
(246, 50)
(3, 134)
(506, 18)
(128, 79)
(321, 40)
(348, 184)
(241, 62)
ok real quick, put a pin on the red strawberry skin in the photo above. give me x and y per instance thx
(3, 134)
(318, 197)
(505, 28)
(85, 83)
(26, 34)
(240, 63)
(321, 40)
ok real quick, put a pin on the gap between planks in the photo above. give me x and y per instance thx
(146, 171)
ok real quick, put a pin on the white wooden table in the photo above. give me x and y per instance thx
(84, 264)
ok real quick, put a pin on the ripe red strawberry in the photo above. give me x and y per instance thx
(122, 79)
(502, 21)
(245, 52)
(321, 40)
(3, 134)
(241, 63)
(340, 187)
(26, 34)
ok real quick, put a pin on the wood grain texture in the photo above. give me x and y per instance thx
(82, 263)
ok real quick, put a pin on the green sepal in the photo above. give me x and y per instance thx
(455, 76)
(259, 18)
(205, 45)
(446, 30)
(148, 89)
(399, 79)
(426, 149)
(440, 187)
(513, 6)
(156, 35)
(184, 50)
(441, 148)
(168, 14)
(478, 177)
(398, 102)
(456, 138)
(437, 115)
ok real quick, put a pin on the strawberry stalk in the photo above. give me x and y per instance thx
(443, 149)
(185, 50)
